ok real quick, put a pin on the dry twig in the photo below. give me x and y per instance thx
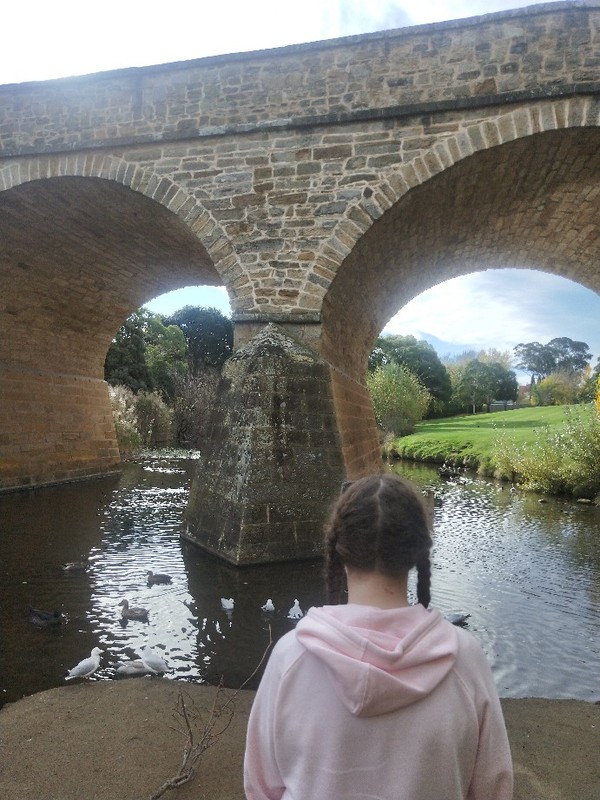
(198, 741)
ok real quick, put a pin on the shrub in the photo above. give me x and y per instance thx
(399, 398)
(560, 462)
(193, 406)
(124, 418)
(140, 420)
(154, 420)
(558, 389)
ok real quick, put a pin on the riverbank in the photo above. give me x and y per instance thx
(550, 450)
(121, 740)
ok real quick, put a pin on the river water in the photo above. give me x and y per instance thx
(527, 572)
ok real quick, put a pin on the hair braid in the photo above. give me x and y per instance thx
(424, 581)
(334, 571)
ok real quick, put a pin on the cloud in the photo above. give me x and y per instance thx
(483, 310)
(500, 308)
(420, 12)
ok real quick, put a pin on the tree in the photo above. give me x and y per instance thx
(460, 359)
(481, 383)
(125, 363)
(166, 356)
(535, 358)
(569, 356)
(399, 398)
(495, 356)
(417, 356)
(589, 380)
(504, 384)
(474, 386)
(209, 336)
(558, 355)
(192, 407)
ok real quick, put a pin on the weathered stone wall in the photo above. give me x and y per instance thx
(280, 184)
(80, 441)
(272, 454)
(538, 48)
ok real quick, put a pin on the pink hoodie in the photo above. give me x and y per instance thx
(361, 703)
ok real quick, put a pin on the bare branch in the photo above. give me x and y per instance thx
(199, 739)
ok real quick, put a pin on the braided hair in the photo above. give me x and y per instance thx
(381, 524)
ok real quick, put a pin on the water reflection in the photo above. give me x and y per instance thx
(526, 572)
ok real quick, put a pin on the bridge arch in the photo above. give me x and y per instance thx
(81, 250)
(530, 202)
(143, 180)
(449, 148)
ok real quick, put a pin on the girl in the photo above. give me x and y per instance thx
(377, 698)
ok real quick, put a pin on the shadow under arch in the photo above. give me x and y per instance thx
(77, 256)
(532, 203)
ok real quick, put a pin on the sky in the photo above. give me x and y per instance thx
(497, 308)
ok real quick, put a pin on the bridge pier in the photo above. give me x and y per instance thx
(274, 458)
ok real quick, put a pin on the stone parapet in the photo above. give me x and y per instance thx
(541, 48)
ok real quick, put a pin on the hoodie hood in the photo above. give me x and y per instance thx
(380, 659)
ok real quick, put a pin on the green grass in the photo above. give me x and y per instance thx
(469, 440)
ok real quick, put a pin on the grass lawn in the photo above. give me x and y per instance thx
(469, 440)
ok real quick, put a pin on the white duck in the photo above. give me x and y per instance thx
(268, 606)
(86, 667)
(295, 611)
(227, 603)
(134, 667)
(152, 660)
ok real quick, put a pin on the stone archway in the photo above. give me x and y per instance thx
(78, 255)
(531, 203)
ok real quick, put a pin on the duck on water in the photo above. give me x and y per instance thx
(133, 612)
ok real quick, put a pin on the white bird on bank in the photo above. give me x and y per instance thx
(86, 667)
(295, 611)
(227, 603)
(134, 667)
(152, 660)
(268, 606)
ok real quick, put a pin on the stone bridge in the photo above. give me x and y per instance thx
(324, 185)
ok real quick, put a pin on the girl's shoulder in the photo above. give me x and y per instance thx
(286, 652)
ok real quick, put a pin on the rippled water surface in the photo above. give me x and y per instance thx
(526, 572)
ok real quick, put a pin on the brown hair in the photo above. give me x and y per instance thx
(379, 523)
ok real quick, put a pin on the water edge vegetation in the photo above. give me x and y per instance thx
(550, 449)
